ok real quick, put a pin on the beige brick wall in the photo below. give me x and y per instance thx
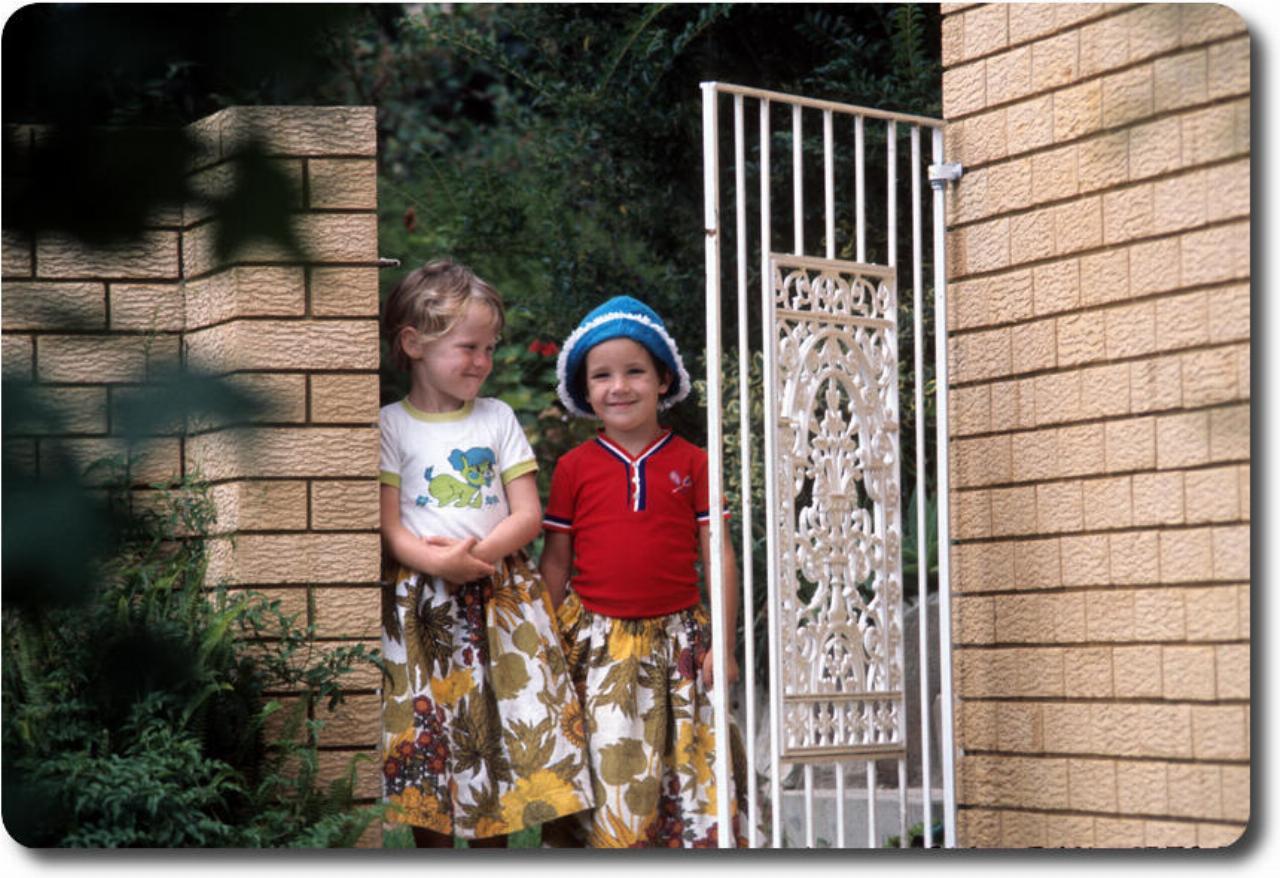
(1099, 307)
(297, 489)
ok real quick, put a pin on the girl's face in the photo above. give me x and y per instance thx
(450, 370)
(623, 387)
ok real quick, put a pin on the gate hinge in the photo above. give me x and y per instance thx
(947, 172)
(388, 262)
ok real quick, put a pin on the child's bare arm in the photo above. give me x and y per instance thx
(730, 595)
(557, 556)
(519, 528)
(438, 556)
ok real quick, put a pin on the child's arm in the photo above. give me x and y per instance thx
(557, 556)
(449, 559)
(519, 528)
(730, 595)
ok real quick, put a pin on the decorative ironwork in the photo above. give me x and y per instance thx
(839, 528)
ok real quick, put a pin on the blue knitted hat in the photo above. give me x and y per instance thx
(620, 317)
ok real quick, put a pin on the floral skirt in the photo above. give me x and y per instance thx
(650, 728)
(482, 731)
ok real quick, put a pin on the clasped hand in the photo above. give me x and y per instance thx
(454, 562)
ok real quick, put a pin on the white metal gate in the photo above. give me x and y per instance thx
(838, 693)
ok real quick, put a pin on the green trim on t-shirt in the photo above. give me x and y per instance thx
(438, 417)
(389, 478)
(511, 473)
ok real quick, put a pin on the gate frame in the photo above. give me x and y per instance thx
(939, 173)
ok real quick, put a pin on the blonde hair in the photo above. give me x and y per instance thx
(432, 299)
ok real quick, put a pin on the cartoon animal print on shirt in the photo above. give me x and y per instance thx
(477, 468)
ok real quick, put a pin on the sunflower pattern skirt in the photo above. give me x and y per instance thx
(650, 728)
(482, 729)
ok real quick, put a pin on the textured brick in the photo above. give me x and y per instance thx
(1036, 563)
(1235, 792)
(18, 354)
(971, 515)
(1155, 266)
(1085, 560)
(1034, 347)
(1181, 80)
(1013, 511)
(1035, 455)
(971, 409)
(286, 452)
(978, 829)
(1195, 790)
(1067, 727)
(983, 138)
(1189, 673)
(1081, 449)
(1077, 225)
(218, 182)
(1231, 553)
(283, 344)
(1030, 20)
(1039, 618)
(1139, 671)
(1014, 781)
(1020, 726)
(1159, 614)
(344, 505)
(282, 399)
(981, 355)
(333, 765)
(1013, 404)
(1016, 672)
(1104, 46)
(1128, 214)
(1009, 76)
(322, 237)
(1228, 73)
(347, 612)
(1130, 330)
(1088, 672)
(1208, 21)
(1229, 433)
(1212, 613)
(344, 398)
(57, 306)
(344, 292)
(1105, 392)
(986, 30)
(964, 90)
(1110, 615)
(1156, 385)
(295, 558)
(987, 245)
(1104, 276)
(1103, 161)
(1135, 557)
(101, 358)
(356, 721)
(1182, 321)
(151, 308)
(974, 620)
(1092, 784)
(1028, 125)
(1130, 444)
(1059, 507)
(983, 567)
(342, 183)
(15, 254)
(1232, 665)
(1215, 254)
(1022, 829)
(1168, 834)
(1155, 148)
(1055, 61)
(1182, 440)
(1009, 187)
(1107, 504)
(1186, 555)
(266, 505)
(1142, 787)
(301, 131)
(1153, 30)
(1217, 835)
(1079, 339)
(1009, 296)
(952, 40)
(1056, 286)
(78, 409)
(1158, 498)
(1127, 96)
(153, 256)
(259, 291)
(1077, 110)
(157, 460)
(1180, 202)
(1212, 495)
(1209, 134)
(1054, 174)
(1118, 832)
(1244, 492)
(1229, 185)
(1069, 831)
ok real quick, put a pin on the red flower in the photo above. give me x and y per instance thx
(421, 704)
(410, 219)
(390, 769)
(550, 349)
(535, 346)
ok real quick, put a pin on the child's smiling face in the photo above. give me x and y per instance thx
(623, 386)
(450, 370)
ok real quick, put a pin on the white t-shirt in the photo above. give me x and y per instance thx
(451, 467)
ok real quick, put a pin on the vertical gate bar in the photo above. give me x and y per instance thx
(941, 381)
(922, 542)
(797, 179)
(839, 767)
(871, 803)
(891, 137)
(808, 806)
(744, 446)
(767, 331)
(829, 181)
(715, 452)
(859, 188)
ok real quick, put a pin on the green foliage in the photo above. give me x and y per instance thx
(915, 837)
(137, 704)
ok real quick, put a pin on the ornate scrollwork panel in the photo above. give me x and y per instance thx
(839, 528)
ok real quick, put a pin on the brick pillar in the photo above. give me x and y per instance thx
(298, 491)
(1099, 247)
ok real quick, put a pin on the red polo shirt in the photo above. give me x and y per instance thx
(635, 523)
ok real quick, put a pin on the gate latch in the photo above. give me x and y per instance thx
(947, 172)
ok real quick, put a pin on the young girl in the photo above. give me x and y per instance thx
(627, 517)
(481, 727)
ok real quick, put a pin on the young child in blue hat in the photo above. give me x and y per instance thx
(627, 519)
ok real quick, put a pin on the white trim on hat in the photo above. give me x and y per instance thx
(683, 384)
